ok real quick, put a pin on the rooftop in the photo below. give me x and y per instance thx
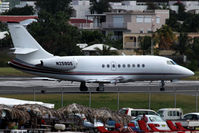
(16, 18)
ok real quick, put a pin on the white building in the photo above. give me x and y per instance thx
(80, 8)
(4, 6)
(142, 6)
(26, 3)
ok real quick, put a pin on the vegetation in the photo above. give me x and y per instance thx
(99, 6)
(27, 10)
(165, 37)
(134, 100)
(8, 71)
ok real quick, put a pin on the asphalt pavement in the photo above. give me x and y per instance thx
(26, 85)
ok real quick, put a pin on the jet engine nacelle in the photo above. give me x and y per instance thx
(65, 63)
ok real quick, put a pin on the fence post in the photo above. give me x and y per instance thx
(149, 97)
(62, 98)
(90, 97)
(175, 98)
(196, 100)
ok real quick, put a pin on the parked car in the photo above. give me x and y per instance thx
(170, 113)
(153, 119)
(135, 112)
(191, 116)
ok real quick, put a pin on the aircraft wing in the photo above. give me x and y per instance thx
(106, 80)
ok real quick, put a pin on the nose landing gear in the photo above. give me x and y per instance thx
(162, 86)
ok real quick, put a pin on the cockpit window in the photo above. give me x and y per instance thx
(170, 62)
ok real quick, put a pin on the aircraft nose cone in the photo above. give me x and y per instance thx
(189, 72)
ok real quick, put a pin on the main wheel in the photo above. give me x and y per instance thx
(162, 89)
(83, 87)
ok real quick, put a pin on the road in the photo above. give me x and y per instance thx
(26, 85)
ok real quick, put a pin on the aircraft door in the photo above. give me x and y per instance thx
(113, 66)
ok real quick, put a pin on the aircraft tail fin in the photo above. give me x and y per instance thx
(26, 47)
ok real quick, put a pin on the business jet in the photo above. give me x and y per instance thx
(32, 58)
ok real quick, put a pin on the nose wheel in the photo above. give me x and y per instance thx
(162, 85)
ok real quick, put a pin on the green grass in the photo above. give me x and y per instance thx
(134, 100)
(8, 71)
(195, 77)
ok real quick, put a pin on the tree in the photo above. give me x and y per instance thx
(106, 50)
(183, 44)
(181, 11)
(145, 44)
(27, 10)
(91, 37)
(151, 5)
(191, 23)
(192, 54)
(164, 37)
(55, 34)
(54, 6)
(173, 21)
(100, 6)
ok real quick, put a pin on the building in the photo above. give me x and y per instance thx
(141, 5)
(131, 40)
(91, 50)
(17, 19)
(81, 23)
(134, 22)
(24, 3)
(80, 8)
(4, 6)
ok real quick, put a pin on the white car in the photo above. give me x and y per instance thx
(153, 119)
(135, 112)
(191, 116)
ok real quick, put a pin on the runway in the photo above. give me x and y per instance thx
(26, 85)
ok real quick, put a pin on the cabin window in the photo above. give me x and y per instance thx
(143, 65)
(170, 62)
(119, 65)
(124, 65)
(113, 65)
(108, 65)
(103, 65)
(138, 65)
(129, 65)
(133, 65)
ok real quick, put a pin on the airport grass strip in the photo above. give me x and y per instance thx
(109, 100)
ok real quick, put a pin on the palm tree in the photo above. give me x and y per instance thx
(106, 50)
(183, 44)
(165, 37)
(145, 44)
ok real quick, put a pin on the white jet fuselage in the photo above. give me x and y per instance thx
(107, 68)
(32, 58)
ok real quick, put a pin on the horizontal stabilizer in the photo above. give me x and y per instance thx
(23, 50)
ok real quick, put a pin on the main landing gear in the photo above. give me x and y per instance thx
(101, 87)
(83, 87)
(162, 86)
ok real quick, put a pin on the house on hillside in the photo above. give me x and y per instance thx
(92, 50)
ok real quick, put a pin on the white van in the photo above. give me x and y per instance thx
(135, 112)
(170, 113)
